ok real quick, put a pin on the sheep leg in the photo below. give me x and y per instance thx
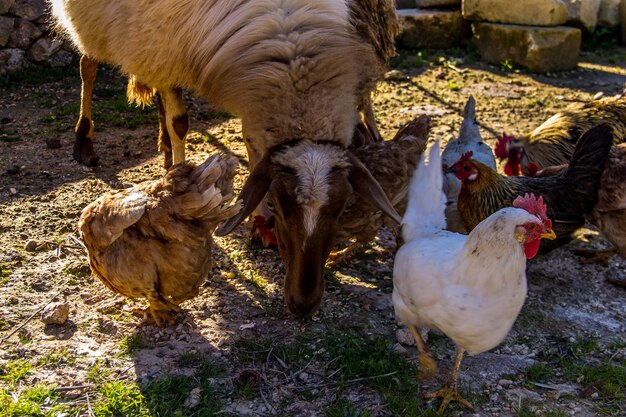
(176, 121)
(164, 142)
(83, 145)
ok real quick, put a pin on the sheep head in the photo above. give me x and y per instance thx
(308, 185)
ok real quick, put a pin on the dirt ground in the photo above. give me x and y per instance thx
(566, 354)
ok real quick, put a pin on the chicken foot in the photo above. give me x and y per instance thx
(428, 366)
(449, 391)
(337, 257)
(161, 310)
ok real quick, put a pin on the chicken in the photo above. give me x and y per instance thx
(569, 195)
(391, 163)
(469, 139)
(554, 141)
(470, 287)
(154, 240)
(551, 145)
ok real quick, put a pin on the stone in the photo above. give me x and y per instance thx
(5, 6)
(43, 48)
(583, 14)
(6, 28)
(55, 313)
(539, 49)
(31, 246)
(421, 28)
(62, 58)
(11, 59)
(437, 3)
(404, 336)
(28, 9)
(530, 12)
(609, 14)
(24, 34)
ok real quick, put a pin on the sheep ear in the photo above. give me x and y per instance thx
(251, 194)
(367, 187)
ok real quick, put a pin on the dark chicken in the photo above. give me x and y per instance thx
(569, 195)
(154, 240)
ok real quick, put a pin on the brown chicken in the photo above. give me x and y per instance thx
(154, 240)
(552, 144)
(392, 163)
(569, 195)
(554, 141)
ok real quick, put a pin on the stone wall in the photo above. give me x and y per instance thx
(26, 39)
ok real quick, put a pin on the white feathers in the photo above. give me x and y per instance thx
(425, 210)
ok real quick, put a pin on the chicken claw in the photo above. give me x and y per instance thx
(448, 393)
(162, 317)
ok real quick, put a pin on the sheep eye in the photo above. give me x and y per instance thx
(270, 206)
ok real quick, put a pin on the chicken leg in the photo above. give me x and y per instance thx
(428, 366)
(449, 391)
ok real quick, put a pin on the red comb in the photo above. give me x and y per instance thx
(535, 206)
(465, 157)
(503, 140)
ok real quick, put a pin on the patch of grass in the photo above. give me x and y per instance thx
(31, 402)
(583, 347)
(289, 351)
(601, 39)
(330, 276)
(508, 65)
(38, 75)
(453, 85)
(344, 408)
(57, 358)
(247, 391)
(15, 370)
(206, 366)
(24, 336)
(98, 373)
(7, 137)
(525, 408)
(120, 398)
(540, 372)
(258, 280)
(129, 344)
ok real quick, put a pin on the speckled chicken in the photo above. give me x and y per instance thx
(154, 240)
(569, 195)
(552, 144)
(469, 140)
(392, 163)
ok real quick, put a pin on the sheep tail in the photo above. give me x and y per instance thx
(138, 93)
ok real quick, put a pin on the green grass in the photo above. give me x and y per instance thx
(15, 370)
(36, 401)
(38, 75)
(130, 344)
(119, 398)
(56, 358)
(540, 372)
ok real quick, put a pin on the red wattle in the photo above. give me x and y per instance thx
(531, 248)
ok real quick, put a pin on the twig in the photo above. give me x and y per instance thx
(74, 388)
(5, 338)
(270, 407)
(89, 406)
(546, 386)
(455, 68)
(352, 381)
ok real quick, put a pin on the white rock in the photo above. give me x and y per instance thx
(55, 313)
(583, 13)
(43, 48)
(430, 28)
(609, 14)
(192, 401)
(529, 12)
(28, 9)
(404, 336)
(540, 49)
(25, 32)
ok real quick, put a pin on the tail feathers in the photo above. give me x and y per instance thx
(425, 213)
(587, 164)
(469, 132)
(210, 191)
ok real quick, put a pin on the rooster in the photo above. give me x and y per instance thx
(469, 139)
(570, 194)
(554, 141)
(154, 240)
(470, 287)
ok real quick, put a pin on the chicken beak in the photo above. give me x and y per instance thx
(550, 235)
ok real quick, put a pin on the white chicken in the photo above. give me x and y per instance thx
(469, 139)
(470, 287)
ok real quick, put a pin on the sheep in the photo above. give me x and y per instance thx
(296, 72)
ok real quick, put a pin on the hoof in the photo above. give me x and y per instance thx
(84, 154)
